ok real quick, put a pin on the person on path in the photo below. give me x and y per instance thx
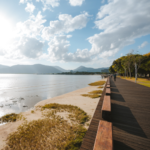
(115, 77)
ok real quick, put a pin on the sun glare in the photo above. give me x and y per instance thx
(6, 31)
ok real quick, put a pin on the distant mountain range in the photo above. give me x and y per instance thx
(43, 69)
(85, 69)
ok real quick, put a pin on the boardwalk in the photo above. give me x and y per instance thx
(130, 104)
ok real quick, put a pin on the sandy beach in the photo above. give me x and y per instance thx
(73, 98)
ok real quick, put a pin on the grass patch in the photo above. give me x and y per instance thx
(53, 132)
(46, 134)
(96, 92)
(148, 85)
(142, 81)
(98, 83)
(76, 113)
(93, 94)
(9, 118)
(100, 86)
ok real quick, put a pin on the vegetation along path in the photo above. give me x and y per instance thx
(130, 103)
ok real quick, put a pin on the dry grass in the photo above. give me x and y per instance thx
(98, 83)
(53, 132)
(100, 86)
(93, 94)
(142, 81)
(76, 114)
(96, 92)
(9, 118)
(32, 111)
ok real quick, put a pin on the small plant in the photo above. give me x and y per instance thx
(97, 83)
(9, 118)
(32, 111)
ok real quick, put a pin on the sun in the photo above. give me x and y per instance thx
(6, 31)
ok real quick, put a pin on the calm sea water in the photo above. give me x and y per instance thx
(19, 93)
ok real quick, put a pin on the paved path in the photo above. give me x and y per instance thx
(130, 104)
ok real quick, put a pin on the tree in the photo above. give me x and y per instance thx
(117, 66)
(145, 65)
(111, 70)
(124, 64)
(137, 60)
(128, 62)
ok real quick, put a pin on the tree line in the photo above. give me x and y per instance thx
(125, 65)
(83, 73)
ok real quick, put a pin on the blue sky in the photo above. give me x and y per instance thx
(71, 33)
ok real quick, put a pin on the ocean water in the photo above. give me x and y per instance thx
(19, 93)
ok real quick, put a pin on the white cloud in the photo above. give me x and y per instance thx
(65, 24)
(30, 7)
(26, 41)
(24, 1)
(30, 47)
(59, 51)
(76, 2)
(2, 52)
(49, 3)
(58, 48)
(31, 27)
(121, 22)
(25, 47)
(143, 44)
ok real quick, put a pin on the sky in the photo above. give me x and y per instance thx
(72, 33)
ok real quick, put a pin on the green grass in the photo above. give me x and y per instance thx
(53, 132)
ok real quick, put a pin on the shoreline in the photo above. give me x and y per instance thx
(72, 98)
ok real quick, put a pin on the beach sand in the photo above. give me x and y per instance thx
(72, 98)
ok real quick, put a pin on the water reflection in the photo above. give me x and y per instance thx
(19, 93)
